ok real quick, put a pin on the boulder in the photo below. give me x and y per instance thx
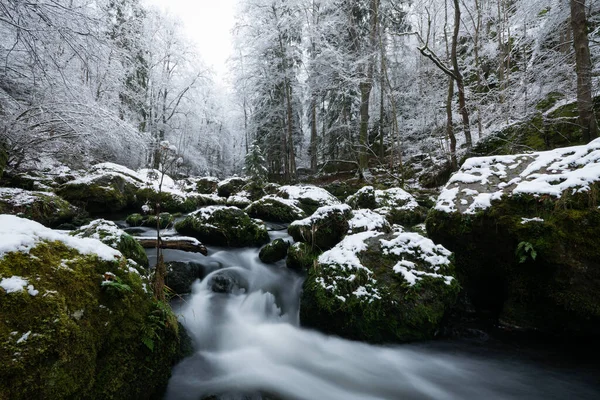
(223, 226)
(524, 228)
(301, 256)
(110, 234)
(379, 287)
(106, 188)
(43, 207)
(367, 220)
(207, 185)
(230, 186)
(398, 206)
(172, 202)
(77, 321)
(274, 251)
(324, 229)
(181, 275)
(275, 209)
(226, 281)
(309, 197)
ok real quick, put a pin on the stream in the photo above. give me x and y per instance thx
(249, 346)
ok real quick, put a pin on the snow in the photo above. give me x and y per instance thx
(527, 220)
(111, 233)
(293, 204)
(345, 253)
(366, 220)
(13, 284)
(482, 180)
(412, 243)
(20, 197)
(384, 199)
(317, 194)
(322, 212)
(207, 212)
(19, 234)
(24, 337)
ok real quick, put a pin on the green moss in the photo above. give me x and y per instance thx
(274, 251)
(227, 226)
(150, 221)
(206, 185)
(233, 186)
(107, 194)
(48, 210)
(301, 256)
(324, 231)
(85, 341)
(168, 202)
(135, 220)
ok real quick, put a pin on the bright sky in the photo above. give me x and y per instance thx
(209, 23)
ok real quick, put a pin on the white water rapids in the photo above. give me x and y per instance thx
(249, 346)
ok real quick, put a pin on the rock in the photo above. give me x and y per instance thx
(397, 205)
(380, 287)
(367, 220)
(207, 185)
(77, 321)
(301, 256)
(524, 229)
(181, 275)
(309, 197)
(230, 186)
(223, 226)
(43, 207)
(274, 251)
(324, 229)
(171, 202)
(275, 209)
(240, 200)
(149, 221)
(106, 188)
(110, 234)
(226, 281)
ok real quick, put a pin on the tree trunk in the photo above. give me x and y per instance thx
(290, 132)
(464, 112)
(313, 134)
(449, 127)
(366, 85)
(583, 64)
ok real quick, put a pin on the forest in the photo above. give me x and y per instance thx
(318, 85)
(379, 199)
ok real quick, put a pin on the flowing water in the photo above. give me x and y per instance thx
(249, 346)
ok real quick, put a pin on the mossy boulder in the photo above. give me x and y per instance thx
(309, 197)
(367, 220)
(169, 201)
(274, 251)
(230, 186)
(181, 275)
(240, 200)
(207, 185)
(301, 256)
(100, 194)
(275, 209)
(524, 231)
(380, 288)
(76, 320)
(110, 234)
(45, 208)
(223, 226)
(397, 205)
(150, 221)
(324, 229)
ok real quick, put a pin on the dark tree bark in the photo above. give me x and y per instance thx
(462, 103)
(583, 64)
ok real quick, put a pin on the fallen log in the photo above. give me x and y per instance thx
(174, 243)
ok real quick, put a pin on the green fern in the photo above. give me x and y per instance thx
(525, 251)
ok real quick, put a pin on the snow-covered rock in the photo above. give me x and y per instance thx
(380, 287)
(524, 228)
(43, 207)
(110, 234)
(309, 197)
(276, 209)
(74, 319)
(325, 228)
(224, 226)
(397, 205)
